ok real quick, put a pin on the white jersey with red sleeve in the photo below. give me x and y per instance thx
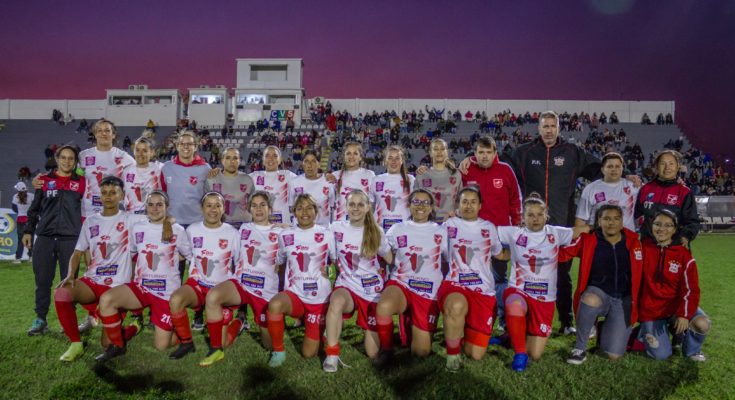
(320, 189)
(157, 265)
(419, 250)
(361, 179)
(391, 200)
(257, 270)
(357, 273)
(214, 253)
(98, 164)
(306, 253)
(277, 184)
(622, 193)
(138, 183)
(471, 245)
(108, 241)
(535, 258)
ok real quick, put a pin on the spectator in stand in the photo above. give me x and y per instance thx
(150, 125)
(646, 120)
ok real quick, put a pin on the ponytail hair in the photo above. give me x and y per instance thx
(403, 170)
(371, 233)
(338, 187)
(533, 199)
(448, 163)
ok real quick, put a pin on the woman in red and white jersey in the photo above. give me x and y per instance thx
(351, 176)
(316, 184)
(420, 250)
(391, 190)
(156, 277)
(107, 237)
(529, 298)
(357, 243)
(141, 178)
(255, 280)
(215, 248)
(467, 295)
(306, 249)
(276, 182)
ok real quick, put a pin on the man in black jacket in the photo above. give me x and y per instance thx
(55, 217)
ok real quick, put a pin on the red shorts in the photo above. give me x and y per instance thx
(540, 314)
(201, 293)
(423, 312)
(365, 311)
(480, 312)
(258, 304)
(314, 316)
(160, 310)
(98, 290)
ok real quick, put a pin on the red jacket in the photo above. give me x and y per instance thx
(670, 282)
(501, 195)
(584, 248)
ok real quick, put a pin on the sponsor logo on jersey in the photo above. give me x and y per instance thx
(245, 234)
(338, 236)
(96, 201)
(310, 286)
(674, 267)
(370, 281)
(223, 243)
(536, 288)
(379, 186)
(522, 241)
(599, 197)
(402, 241)
(388, 222)
(156, 285)
(106, 270)
(260, 180)
(89, 160)
(139, 237)
(420, 286)
(318, 237)
(671, 199)
(470, 279)
(273, 237)
(298, 190)
(198, 242)
(559, 161)
(452, 232)
(251, 281)
(497, 183)
(217, 187)
(51, 185)
(130, 178)
(288, 240)
(426, 182)
(94, 231)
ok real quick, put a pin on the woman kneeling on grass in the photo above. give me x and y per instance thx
(420, 247)
(215, 248)
(306, 250)
(156, 277)
(529, 298)
(357, 244)
(669, 301)
(467, 295)
(611, 261)
(255, 282)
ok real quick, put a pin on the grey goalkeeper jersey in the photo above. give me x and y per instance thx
(444, 186)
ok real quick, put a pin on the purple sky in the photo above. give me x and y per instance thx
(639, 50)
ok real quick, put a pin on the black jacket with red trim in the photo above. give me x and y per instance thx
(56, 210)
(670, 195)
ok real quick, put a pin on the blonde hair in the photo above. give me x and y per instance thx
(338, 187)
(371, 231)
(404, 171)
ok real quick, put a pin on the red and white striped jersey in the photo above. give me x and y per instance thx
(138, 183)
(419, 249)
(391, 200)
(257, 270)
(356, 273)
(157, 265)
(98, 164)
(276, 183)
(306, 253)
(361, 179)
(471, 245)
(321, 190)
(214, 253)
(108, 241)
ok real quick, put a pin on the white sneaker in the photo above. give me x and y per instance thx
(332, 363)
(16, 261)
(593, 332)
(454, 363)
(88, 323)
(699, 357)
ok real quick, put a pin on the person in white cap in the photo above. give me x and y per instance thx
(21, 203)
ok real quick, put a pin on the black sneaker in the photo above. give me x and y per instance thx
(182, 350)
(39, 327)
(577, 357)
(111, 352)
(198, 324)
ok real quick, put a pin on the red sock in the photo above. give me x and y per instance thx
(129, 331)
(233, 329)
(332, 350)
(385, 332)
(180, 321)
(112, 325)
(517, 330)
(67, 315)
(453, 346)
(215, 333)
(275, 330)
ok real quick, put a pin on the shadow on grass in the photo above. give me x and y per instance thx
(261, 382)
(138, 385)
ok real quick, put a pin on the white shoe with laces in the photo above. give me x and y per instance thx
(89, 323)
(699, 357)
(332, 363)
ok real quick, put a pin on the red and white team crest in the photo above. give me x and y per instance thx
(364, 182)
(438, 239)
(118, 160)
(272, 236)
(74, 186)
(551, 238)
(674, 267)
(243, 188)
(497, 183)
(318, 237)
(626, 190)
(452, 180)
(193, 180)
(223, 244)
(558, 161)
(325, 190)
(120, 226)
(671, 199)
(173, 239)
(485, 233)
(281, 178)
